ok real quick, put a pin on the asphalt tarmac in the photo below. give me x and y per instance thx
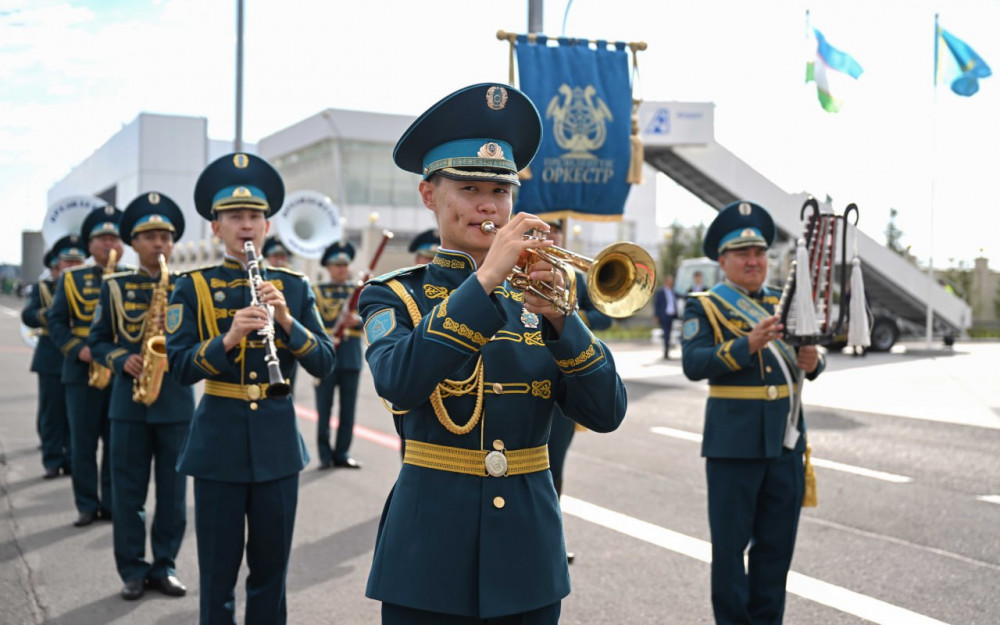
(907, 449)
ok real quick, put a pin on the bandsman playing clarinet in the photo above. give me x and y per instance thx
(754, 436)
(333, 300)
(239, 327)
(88, 383)
(150, 410)
(471, 368)
(47, 361)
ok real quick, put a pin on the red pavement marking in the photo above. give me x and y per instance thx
(15, 349)
(379, 438)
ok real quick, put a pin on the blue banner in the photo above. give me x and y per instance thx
(585, 99)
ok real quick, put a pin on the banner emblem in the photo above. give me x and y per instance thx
(580, 123)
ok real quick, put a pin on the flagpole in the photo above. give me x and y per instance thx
(929, 330)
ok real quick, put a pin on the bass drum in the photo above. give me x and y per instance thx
(66, 216)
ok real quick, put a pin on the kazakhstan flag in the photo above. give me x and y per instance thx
(957, 64)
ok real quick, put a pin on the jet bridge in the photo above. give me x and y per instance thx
(679, 141)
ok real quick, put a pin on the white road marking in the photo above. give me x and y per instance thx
(989, 498)
(817, 462)
(10, 312)
(836, 597)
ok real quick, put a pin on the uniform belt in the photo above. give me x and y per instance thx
(769, 393)
(477, 461)
(245, 392)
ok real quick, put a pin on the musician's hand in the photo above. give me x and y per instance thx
(84, 354)
(808, 358)
(353, 320)
(245, 321)
(269, 294)
(508, 246)
(765, 332)
(545, 272)
(133, 365)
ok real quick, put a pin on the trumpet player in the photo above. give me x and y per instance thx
(68, 320)
(150, 411)
(244, 448)
(471, 369)
(47, 361)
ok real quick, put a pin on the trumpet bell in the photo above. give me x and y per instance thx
(308, 223)
(621, 279)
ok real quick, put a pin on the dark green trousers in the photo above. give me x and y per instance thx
(88, 423)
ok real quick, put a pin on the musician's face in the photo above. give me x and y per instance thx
(461, 206)
(150, 244)
(339, 272)
(100, 247)
(746, 267)
(235, 227)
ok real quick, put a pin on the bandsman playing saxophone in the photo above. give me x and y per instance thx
(68, 320)
(244, 448)
(471, 368)
(150, 411)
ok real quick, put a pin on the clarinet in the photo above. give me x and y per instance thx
(277, 387)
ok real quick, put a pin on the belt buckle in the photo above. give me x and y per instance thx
(772, 392)
(496, 464)
(253, 392)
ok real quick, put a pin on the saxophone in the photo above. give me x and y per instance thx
(100, 376)
(146, 388)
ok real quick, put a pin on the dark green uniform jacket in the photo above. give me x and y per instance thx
(116, 333)
(47, 358)
(464, 544)
(330, 299)
(249, 437)
(737, 427)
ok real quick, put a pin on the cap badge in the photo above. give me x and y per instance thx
(745, 208)
(496, 97)
(74, 239)
(154, 198)
(748, 232)
(109, 210)
(490, 150)
(241, 161)
(241, 191)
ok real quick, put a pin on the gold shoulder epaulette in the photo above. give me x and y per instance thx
(120, 274)
(80, 268)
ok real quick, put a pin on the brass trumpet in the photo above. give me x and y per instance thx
(620, 280)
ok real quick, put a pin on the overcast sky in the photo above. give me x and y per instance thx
(72, 73)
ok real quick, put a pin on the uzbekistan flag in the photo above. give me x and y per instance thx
(957, 64)
(830, 70)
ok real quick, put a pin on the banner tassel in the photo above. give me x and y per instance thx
(858, 333)
(802, 302)
(637, 151)
(811, 498)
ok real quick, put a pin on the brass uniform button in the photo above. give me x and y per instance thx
(253, 375)
(499, 503)
(772, 392)
(498, 444)
(498, 388)
(253, 405)
(767, 369)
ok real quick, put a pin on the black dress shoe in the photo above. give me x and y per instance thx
(169, 585)
(104, 514)
(66, 470)
(570, 556)
(133, 589)
(85, 518)
(348, 463)
(51, 473)
(325, 464)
